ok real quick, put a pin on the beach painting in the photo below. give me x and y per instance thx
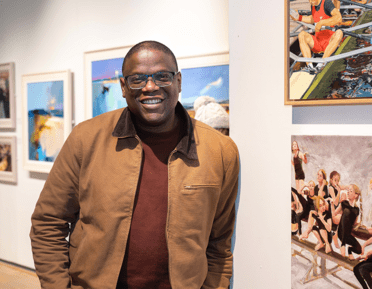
(106, 90)
(331, 207)
(7, 110)
(332, 65)
(8, 156)
(47, 123)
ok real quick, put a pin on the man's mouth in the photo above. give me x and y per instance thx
(151, 101)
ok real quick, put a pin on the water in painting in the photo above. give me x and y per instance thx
(106, 90)
(45, 120)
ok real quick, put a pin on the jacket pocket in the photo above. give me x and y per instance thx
(198, 188)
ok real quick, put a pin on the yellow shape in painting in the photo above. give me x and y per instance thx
(299, 83)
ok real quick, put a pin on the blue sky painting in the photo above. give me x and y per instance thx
(205, 81)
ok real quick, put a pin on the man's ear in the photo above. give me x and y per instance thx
(122, 84)
(179, 81)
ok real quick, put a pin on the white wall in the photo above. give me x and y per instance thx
(52, 35)
(261, 127)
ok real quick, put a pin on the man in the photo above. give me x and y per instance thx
(323, 13)
(145, 193)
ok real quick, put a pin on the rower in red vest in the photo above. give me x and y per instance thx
(323, 13)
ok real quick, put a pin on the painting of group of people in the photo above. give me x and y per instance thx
(330, 200)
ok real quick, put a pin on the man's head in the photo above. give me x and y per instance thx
(153, 105)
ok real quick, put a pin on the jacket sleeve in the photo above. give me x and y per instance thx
(55, 211)
(220, 259)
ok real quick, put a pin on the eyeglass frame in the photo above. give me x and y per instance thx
(152, 78)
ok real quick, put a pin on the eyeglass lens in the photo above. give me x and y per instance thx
(161, 79)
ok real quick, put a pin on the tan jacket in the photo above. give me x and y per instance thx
(92, 186)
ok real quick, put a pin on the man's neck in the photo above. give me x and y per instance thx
(163, 128)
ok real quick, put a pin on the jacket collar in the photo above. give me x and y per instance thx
(125, 129)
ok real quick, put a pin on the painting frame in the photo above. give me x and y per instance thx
(9, 123)
(89, 58)
(38, 78)
(287, 85)
(6, 176)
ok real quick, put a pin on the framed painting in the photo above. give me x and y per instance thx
(205, 88)
(328, 64)
(7, 97)
(8, 159)
(102, 70)
(46, 118)
(331, 206)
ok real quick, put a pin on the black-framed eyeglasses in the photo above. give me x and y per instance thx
(161, 79)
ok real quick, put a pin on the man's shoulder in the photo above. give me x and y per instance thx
(105, 122)
(206, 135)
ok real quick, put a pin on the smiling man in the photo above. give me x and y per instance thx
(146, 194)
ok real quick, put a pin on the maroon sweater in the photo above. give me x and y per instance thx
(146, 258)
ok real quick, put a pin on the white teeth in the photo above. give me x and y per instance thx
(151, 101)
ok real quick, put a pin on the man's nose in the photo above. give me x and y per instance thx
(150, 85)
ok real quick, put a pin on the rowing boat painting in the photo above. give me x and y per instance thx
(331, 208)
(333, 69)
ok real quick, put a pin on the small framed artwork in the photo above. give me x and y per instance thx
(46, 118)
(328, 64)
(102, 71)
(8, 159)
(7, 97)
(205, 88)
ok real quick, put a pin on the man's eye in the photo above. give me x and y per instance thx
(137, 79)
(163, 76)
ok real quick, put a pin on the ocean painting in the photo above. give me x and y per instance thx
(4, 94)
(45, 120)
(331, 206)
(106, 90)
(210, 81)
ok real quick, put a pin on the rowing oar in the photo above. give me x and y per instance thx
(348, 33)
(357, 4)
(364, 37)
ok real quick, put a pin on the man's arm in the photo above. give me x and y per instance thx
(304, 18)
(219, 248)
(56, 208)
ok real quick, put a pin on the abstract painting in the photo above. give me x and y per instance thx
(46, 117)
(102, 84)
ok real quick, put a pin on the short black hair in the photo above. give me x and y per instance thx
(149, 44)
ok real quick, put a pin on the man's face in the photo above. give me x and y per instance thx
(150, 116)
